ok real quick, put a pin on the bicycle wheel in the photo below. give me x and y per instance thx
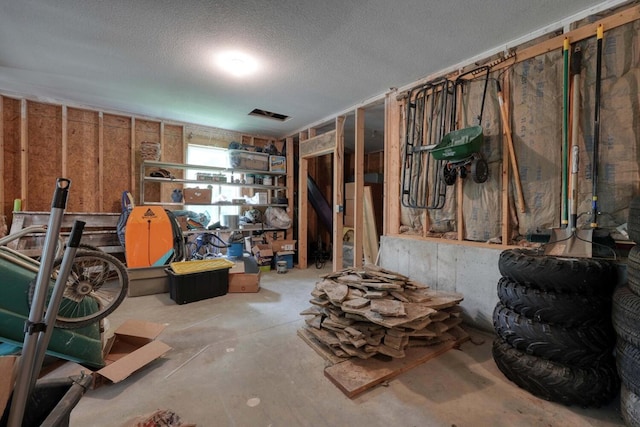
(96, 286)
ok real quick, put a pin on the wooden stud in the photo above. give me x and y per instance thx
(101, 161)
(303, 206)
(24, 155)
(133, 157)
(506, 172)
(338, 190)
(290, 180)
(65, 141)
(358, 211)
(392, 164)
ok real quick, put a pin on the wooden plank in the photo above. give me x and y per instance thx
(392, 166)
(65, 142)
(586, 31)
(356, 376)
(133, 159)
(100, 162)
(24, 155)
(303, 206)
(319, 347)
(358, 211)
(506, 174)
(318, 145)
(370, 233)
(338, 190)
(290, 183)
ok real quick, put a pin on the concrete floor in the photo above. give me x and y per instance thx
(237, 361)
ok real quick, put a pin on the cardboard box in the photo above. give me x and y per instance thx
(131, 347)
(262, 250)
(197, 196)
(241, 280)
(8, 366)
(271, 236)
(283, 245)
(242, 159)
(278, 164)
(147, 281)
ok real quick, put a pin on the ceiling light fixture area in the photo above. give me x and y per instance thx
(269, 115)
(237, 63)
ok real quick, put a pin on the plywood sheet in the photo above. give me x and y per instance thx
(83, 158)
(116, 157)
(11, 140)
(44, 154)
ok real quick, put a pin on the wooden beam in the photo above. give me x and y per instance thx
(101, 161)
(586, 31)
(392, 164)
(303, 206)
(24, 155)
(290, 182)
(358, 211)
(65, 141)
(506, 171)
(318, 145)
(338, 196)
(133, 158)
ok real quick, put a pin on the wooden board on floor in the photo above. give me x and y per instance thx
(355, 376)
(319, 347)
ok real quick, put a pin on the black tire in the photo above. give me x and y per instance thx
(633, 220)
(479, 170)
(633, 270)
(97, 285)
(629, 407)
(569, 385)
(626, 315)
(628, 362)
(570, 275)
(553, 307)
(579, 346)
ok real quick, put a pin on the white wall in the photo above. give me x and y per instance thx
(471, 271)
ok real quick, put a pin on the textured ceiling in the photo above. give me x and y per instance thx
(318, 58)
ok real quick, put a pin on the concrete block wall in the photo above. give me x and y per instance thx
(471, 271)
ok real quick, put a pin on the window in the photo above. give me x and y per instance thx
(212, 156)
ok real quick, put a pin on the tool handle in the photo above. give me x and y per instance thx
(512, 153)
(60, 193)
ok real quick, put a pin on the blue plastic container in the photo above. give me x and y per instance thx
(234, 250)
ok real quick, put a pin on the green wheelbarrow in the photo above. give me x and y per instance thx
(460, 150)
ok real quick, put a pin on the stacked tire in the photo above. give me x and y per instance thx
(553, 321)
(626, 321)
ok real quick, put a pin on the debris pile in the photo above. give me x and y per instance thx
(369, 311)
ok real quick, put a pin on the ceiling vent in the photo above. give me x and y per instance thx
(269, 115)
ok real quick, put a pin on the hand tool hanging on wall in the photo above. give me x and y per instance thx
(564, 219)
(570, 241)
(512, 153)
(596, 128)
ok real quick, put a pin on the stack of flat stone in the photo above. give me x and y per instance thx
(369, 311)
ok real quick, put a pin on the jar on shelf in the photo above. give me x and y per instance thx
(249, 178)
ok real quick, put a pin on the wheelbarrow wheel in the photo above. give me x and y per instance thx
(479, 170)
(96, 286)
(449, 175)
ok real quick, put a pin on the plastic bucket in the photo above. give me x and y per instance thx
(281, 266)
(234, 250)
(231, 221)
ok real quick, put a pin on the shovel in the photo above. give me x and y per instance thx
(570, 241)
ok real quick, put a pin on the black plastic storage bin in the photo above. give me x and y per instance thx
(186, 288)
